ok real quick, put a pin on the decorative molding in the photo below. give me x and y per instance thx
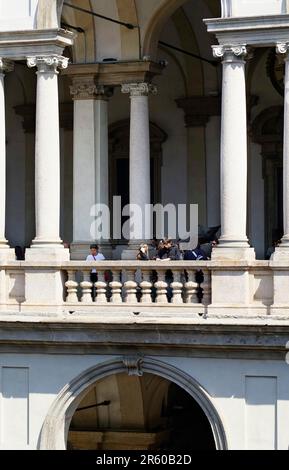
(199, 109)
(18, 45)
(58, 418)
(235, 52)
(6, 65)
(117, 73)
(262, 31)
(139, 89)
(133, 365)
(282, 48)
(48, 64)
(85, 88)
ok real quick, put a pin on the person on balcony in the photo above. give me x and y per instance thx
(168, 251)
(207, 248)
(143, 252)
(197, 254)
(94, 256)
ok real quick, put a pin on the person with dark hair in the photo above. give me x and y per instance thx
(94, 256)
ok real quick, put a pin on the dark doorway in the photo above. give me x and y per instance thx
(190, 427)
(146, 412)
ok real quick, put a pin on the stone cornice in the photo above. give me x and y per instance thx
(256, 30)
(80, 335)
(116, 73)
(199, 109)
(18, 45)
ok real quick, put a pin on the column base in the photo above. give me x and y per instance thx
(80, 250)
(47, 253)
(232, 253)
(132, 249)
(6, 253)
(281, 253)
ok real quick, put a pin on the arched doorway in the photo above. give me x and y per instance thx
(160, 376)
(147, 412)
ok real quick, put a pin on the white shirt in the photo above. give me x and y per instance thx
(98, 257)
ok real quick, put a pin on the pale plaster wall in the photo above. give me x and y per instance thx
(253, 7)
(18, 14)
(248, 417)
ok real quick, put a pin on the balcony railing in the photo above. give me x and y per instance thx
(139, 282)
(217, 289)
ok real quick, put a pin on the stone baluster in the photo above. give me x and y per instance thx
(191, 288)
(71, 286)
(86, 286)
(100, 286)
(206, 285)
(146, 288)
(177, 288)
(161, 287)
(130, 287)
(115, 286)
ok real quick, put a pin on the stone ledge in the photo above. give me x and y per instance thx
(205, 340)
(17, 45)
(259, 31)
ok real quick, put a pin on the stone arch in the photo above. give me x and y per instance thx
(156, 24)
(56, 425)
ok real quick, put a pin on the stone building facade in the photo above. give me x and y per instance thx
(174, 102)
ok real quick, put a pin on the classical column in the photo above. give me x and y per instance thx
(283, 249)
(47, 243)
(90, 162)
(233, 241)
(5, 66)
(201, 115)
(139, 157)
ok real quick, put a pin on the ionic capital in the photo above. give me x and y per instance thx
(282, 48)
(6, 65)
(85, 88)
(139, 89)
(231, 53)
(48, 64)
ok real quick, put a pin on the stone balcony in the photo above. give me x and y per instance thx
(145, 292)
